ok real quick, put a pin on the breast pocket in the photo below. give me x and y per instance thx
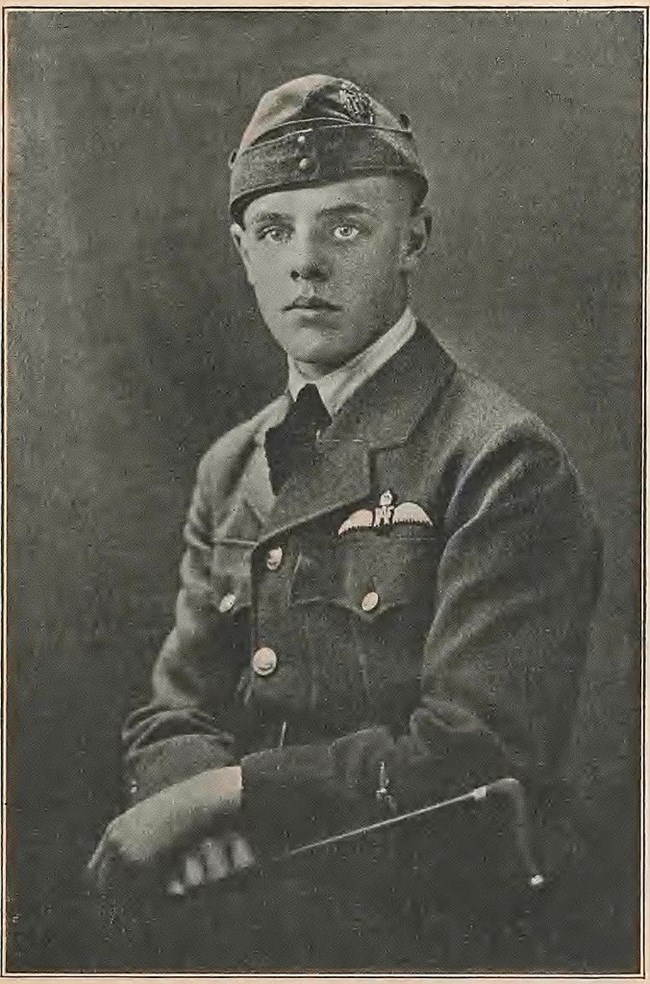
(230, 577)
(374, 595)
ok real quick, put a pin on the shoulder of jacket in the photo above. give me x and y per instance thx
(506, 453)
(497, 443)
(481, 414)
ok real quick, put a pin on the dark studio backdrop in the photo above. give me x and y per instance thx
(134, 341)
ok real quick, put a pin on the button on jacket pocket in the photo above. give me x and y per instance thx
(231, 576)
(274, 558)
(227, 603)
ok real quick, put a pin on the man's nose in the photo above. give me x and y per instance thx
(308, 260)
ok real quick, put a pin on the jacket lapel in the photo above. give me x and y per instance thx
(380, 414)
(340, 474)
(256, 484)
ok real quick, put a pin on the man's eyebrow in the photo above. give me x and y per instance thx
(348, 208)
(261, 217)
(344, 209)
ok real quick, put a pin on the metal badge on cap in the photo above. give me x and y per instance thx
(357, 103)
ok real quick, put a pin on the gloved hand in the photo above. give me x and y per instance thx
(212, 860)
(140, 844)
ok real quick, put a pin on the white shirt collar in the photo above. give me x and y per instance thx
(339, 385)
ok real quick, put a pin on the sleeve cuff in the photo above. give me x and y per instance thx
(285, 793)
(152, 768)
(303, 792)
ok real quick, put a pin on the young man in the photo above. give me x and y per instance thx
(390, 570)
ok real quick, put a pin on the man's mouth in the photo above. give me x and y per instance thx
(310, 303)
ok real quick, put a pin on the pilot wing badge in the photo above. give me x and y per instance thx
(386, 513)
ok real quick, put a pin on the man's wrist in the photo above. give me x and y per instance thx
(223, 787)
(215, 792)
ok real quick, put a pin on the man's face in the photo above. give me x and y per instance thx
(329, 264)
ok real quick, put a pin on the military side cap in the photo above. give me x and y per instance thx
(315, 130)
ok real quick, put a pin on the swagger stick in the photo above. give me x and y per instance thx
(508, 786)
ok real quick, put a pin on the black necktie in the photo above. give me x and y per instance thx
(290, 445)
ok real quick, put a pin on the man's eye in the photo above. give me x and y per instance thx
(345, 232)
(275, 234)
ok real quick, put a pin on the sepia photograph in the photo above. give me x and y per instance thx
(324, 365)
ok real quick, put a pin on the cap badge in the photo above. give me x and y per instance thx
(356, 103)
(386, 513)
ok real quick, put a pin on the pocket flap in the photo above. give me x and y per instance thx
(367, 573)
(231, 575)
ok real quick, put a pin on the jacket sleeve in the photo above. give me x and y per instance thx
(516, 586)
(187, 727)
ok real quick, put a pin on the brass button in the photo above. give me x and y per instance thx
(274, 558)
(370, 601)
(264, 661)
(227, 603)
(304, 164)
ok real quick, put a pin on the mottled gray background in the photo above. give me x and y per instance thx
(134, 341)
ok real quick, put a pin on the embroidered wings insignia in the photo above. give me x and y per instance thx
(385, 514)
(357, 521)
(410, 512)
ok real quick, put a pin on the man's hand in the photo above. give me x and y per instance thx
(215, 858)
(137, 844)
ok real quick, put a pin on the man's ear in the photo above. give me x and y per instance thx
(237, 234)
(417, 238)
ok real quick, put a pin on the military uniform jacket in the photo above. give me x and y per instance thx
(413, 607)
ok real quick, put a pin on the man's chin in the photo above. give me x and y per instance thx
(318, 360)
(317, 342)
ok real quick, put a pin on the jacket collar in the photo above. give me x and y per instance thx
(337, 386)
(380, 414)
(383, 412)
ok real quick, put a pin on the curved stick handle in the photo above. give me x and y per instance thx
(513, 790)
